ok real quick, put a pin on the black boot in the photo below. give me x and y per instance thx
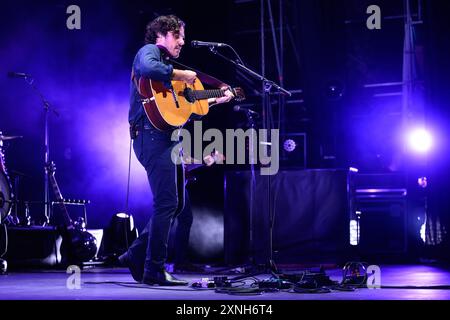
(159, 275)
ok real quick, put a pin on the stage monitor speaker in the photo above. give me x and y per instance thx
(311, 213)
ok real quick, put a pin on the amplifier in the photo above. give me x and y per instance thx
(33, 246)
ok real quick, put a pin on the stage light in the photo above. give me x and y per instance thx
(422, 182)
(422, 231)
(354, 233)
(119, 234)
(289, 145)
(355, 229)
(420, 140)
(3, 266)
(334, 90)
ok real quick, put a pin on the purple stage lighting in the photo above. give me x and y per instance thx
(420, 140)
(289, 145)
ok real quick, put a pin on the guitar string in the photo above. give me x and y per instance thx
(206, 94)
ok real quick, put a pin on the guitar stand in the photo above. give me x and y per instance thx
(74, 202)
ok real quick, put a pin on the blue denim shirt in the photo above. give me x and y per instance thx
(149, 62)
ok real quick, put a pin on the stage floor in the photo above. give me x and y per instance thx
(101, 283)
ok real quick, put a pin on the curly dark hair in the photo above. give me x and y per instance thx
(162, 24)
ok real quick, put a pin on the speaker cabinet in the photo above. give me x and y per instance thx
(303, 216)
(383, 222)
(382, 201)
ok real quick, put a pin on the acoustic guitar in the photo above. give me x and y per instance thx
(79, 244)
(171, 108)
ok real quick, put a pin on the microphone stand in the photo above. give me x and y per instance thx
(252, 124)
(47, 108)
(268, 85)
(239, 64)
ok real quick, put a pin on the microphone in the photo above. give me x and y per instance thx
(198, 44)
(12, 74)
(238, 108)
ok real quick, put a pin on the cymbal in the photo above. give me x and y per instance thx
(2, 137)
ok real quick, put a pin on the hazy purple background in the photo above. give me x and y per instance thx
(84, 74)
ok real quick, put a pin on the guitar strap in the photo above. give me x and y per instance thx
(205, 78)
(133, 78)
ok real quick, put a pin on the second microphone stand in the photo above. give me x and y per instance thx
(267, 86)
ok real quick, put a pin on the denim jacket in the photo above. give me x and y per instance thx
(149, 62)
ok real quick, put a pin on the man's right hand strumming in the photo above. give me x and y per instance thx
(184, 75)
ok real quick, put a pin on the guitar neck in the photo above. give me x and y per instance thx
(190, 167)
(59, 197)
(206, 94)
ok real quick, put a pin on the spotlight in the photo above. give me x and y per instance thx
(420, 140)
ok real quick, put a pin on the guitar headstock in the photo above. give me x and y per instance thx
(50, 168)
(214, 157)
(238, 93)
(218, 157)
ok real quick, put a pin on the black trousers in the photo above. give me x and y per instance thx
(154, 150)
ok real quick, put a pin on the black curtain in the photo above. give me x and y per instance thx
(437, 53)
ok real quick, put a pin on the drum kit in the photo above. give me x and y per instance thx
(6, 195)
(79, 244)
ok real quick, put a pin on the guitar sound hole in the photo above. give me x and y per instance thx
(189, 95)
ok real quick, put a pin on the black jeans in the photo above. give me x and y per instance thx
(182, 232)
(153, 149)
